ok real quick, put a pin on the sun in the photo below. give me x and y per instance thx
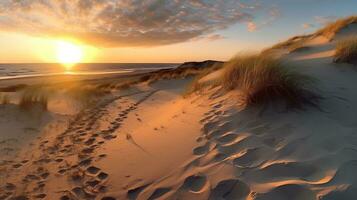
(68, 53)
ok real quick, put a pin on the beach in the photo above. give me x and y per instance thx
(144, 136)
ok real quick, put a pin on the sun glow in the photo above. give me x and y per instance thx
(68, 54)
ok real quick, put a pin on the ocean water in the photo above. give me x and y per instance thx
(13, 71)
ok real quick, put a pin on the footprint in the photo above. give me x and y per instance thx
(88, 150)
(286, 171)
(17, 165)
(290, 191)
(158, 193)
(21, 197)
(93, 183)
(79, 192)
(109, 137)
(108, 198)
(90, 141)
(133, 193)
(201, 149)
(102, 175)
(102, 155)
(200, 139)
(10, 186)
(251, 158)
(59, 160)
(195, 183)
(24, 161)
(85, 162)
(62, 171)
(45, 175)
(231, 189)
(93, 170)
(228, 138)
(40, 196)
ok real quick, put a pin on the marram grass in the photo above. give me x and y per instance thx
(264, 80)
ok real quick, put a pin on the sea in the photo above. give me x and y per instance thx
(15, 71)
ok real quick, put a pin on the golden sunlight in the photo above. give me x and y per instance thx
(68, 53)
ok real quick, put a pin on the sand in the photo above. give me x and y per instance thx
(150, 142)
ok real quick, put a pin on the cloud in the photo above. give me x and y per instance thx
(273, 13)
(307, 25)
(251, 26)
(319, 21)
(215, 37)
(112, 23)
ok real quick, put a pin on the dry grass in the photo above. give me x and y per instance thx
(346, 50)
(196, 86)
(293, 44)
(330, 30)
(4, 99)
(184, 71)
(298, 42)
(34, 96)
(265, 80)
(86, 95)
(13, 88)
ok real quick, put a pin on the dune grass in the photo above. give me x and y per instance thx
(197, 86)
(297, 43)
(264, 80)
(293, 44)
(346, 50)
(4, 99)
(34, 96)
(13, 88)
(86, 95)
(330, 30)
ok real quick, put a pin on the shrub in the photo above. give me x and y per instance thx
(346, 50)
(263, 80)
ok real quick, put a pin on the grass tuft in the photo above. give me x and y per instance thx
(4, 99)
(293, 44)
(330, 30)
(346, 50)
(265, 80)
(87, 95)
(34, 96)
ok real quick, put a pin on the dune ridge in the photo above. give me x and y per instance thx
(149, 142)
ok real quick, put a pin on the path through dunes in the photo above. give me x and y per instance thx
(148, 142)
(67, 157)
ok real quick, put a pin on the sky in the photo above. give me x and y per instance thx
(157, 31)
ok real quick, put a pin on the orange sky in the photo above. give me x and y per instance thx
(157, 31)
(20, 48)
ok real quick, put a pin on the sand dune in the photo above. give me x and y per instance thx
(149, 142)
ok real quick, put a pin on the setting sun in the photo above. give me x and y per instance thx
(68, 53)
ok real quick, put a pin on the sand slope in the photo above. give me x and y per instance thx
(151, 143)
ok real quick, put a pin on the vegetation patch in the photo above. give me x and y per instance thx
(34, 96)
(330, 30)
(264, 80)
(4, 99)
(346, 51)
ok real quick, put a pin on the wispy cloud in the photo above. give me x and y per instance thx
(307, 25)
(273, 13)
(124, 22)
(215, 37)
(251, 26)
(319, 21)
